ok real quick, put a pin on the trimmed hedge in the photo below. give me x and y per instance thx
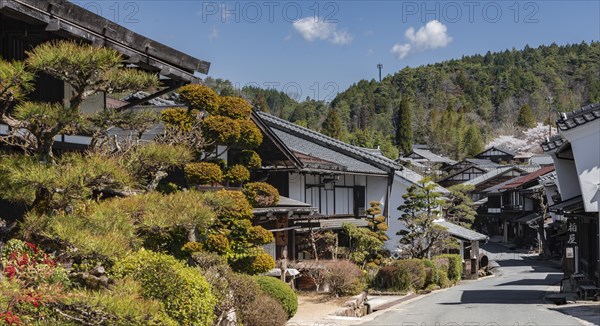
(455, 267)
(279, 291)
(261, 194)
(403, 275)
(184, 293)
(203, 173)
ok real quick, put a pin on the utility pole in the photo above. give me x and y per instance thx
(379, 66)
(549, 100)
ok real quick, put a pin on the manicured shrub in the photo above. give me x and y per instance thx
(237, 174)
(229, 204)
(265, 311)
(220, 129)
(233, 107)
(455, 267)
(250, 135)
(261, 194)
(261, 236)
(262, 262)
(344, 278)
(248, 158)
(203, 173)
(182, 119)
(184, 293)
(199, 97)
(279, 291)
(217, 243)
(403, 275)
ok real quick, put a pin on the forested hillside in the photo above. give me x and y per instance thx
(454, 106)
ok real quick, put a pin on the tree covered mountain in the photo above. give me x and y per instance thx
(456, 106)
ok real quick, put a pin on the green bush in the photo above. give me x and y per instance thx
(233, 107)
(220, 129)
(237, 174)
(279, 291)
(184, 293)
(199, 97)
(250, 135)
(182, 119)
(248, 158)
(455, 266)
(217, 243)
(261, 194)
(403, 275)
(203, 173)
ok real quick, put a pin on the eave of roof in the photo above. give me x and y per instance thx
(62, 16)
(579, 117)
(553, 143)
(528, 178)
(461, 232)
(354, 152)
(491, 174)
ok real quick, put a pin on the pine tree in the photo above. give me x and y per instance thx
(332, 126)
(526, 118)
(460, 210)
(404, 134)
(420, 208)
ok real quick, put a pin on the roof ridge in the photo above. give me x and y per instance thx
(302, 131)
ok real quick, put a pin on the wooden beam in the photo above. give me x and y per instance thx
(148, 98)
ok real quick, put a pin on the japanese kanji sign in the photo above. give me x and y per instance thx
(571, 232)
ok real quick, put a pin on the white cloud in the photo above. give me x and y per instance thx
(431, 36)
(401, 50)
(316, 28)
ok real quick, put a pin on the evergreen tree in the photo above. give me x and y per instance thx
(460, 209)
(526, 118)
(404, 134)
(473, 141)
(332, 126)
(420, 208)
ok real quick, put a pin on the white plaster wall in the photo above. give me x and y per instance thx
(296, 186)
(399, 188)
(568, 180)
(585, 141)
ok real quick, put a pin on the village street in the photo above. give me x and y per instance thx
(513, 297)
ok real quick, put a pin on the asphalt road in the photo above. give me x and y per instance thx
(514, 297)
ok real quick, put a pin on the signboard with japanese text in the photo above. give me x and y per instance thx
(571, 232)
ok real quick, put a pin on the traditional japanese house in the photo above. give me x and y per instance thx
(336, 178)
(576, 154)
(497, 155)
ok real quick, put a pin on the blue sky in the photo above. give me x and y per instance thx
(319, 48)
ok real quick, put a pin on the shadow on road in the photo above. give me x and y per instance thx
(499, 297)
(538, 266)
(551, 279)
(588, 313)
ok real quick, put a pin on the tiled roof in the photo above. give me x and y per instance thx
(498, 148)
(496, 189)
(548, 177)
(461, 232)
(489, 175)
(553, 143)
(312, 143)
(415, 178)
(432, 157)
(579, 117)
(528, 177)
